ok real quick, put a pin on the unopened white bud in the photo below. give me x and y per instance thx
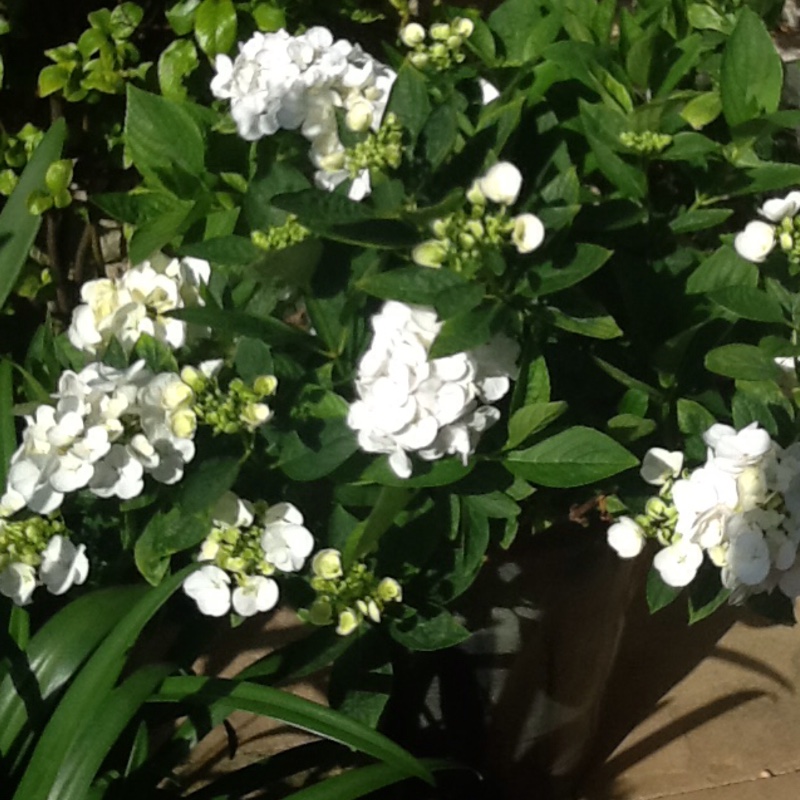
(360, 116)
(412, 34)
(440, 31)
(463, 27)
(528, 233)
(183, 423)
(327, 564)
(502, 183)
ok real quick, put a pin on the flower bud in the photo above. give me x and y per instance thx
(184, 423)
(430, 253)
(501, 184)
(193, 378)
(321, 612)
(528, 233)
(440, 31)
(265, 385)
(255, 414)
(419, 60)
(359, 117)
(177, 394)
(373, 612)
(332, 161)
(454, 42)
(412, 34)
(755, 242)
(463, 27)
(327, 564)
(208, 550)
(475, 194)
(655, 508)
(389, 590)
(786, 241)
(626, 537)
(439, 50)
(348, 622)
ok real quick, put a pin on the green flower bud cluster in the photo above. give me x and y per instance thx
(660, 515)
(461, 238)
(15, 152)
(647, 143)
(445, 46)
(23, 541)
(280, 236)
(238, 408)
(56, 193)
(787, 234)
(380, 151)
(237, 551)
(347, 599)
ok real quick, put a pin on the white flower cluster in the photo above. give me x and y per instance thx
(136, 302)
(107, 428)
(249, 545)
(61, 565)
(410, 404)
(288, 82)
(758, 238)
(741, 509)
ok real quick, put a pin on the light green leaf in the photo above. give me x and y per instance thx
(215, 26)
(18, 227)
(702, 110)
(603, 327)
(574, 457)
(752, 73)
(743, 361)
(8, 435)
(175, 64)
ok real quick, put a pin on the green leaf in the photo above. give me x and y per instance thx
(180, 16)
(693, 418)
(659, 594)
(574, 457)
(165, 534)
(124, 20)
(548, 278)
(721, 269)
(415, 285)
(751, 77)
(88, 692)
(744, 361)
(202, 487)
(603, 327)
(440, 134)
(357, 783)
(628, 428)
(175, 64)
(153, 234)
(702, 110)
(88, 750)
(365, 537)
(409, 99)
(463, 332)
(433, 633)
(699, 219)
(519, 25)
(322, 210)
(749, 303)
(162, 135)
(530, 419)
(215, 26)
(334, 444)
(426, 473)
(705, 597)
(227, 251)
(239, 323)
(293, 710)
(57, 651)
(627, 178)
(8, 434)
(18, 227)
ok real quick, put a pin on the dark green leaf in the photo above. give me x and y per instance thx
(550, 278)
(205, 485)
(574, 457)
(409, 99)
(463, 332)
(722, 269)
(530, 419)
(699, 219)
(433, 633)
(165, 534)
(659, 594)
(335, 443)
(749, 303)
